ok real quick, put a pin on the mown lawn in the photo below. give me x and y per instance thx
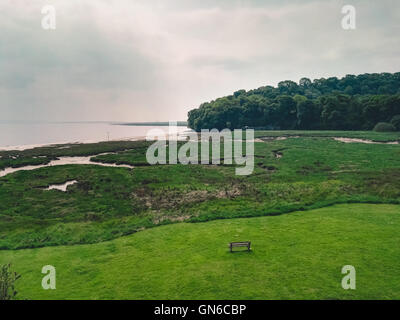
(295, 256)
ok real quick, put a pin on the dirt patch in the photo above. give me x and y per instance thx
(317, 168)
(160, 219)
(277, 154)
(268, 168)
(146, 198)
(354, 140)
(266, 139)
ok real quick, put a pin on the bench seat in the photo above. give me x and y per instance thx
(240, 244)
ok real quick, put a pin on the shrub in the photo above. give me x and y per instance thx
(396, 122)
(384, 127)
(7, 281)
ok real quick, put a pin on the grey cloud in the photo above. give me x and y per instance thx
(154, 60)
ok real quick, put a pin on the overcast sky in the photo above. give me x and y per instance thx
(153, 60)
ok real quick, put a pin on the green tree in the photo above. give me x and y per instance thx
(350, 103)
(287, 112)
(396, 122)
(384, 127)
(308, 115)
(305, 83)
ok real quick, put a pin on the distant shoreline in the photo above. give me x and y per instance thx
(148, 124)
(41, 145)
(141, 135)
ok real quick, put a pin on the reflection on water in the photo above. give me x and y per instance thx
(353, 140)
(63, 161)
(38, 134)
(62, 187)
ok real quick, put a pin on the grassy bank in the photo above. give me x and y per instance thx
(370, 135)
(294, 256)
(43, 155)
(107, 203)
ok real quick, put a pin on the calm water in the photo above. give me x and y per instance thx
(62, 161)
(29, 134)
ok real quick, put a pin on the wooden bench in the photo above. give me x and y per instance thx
(240, 244)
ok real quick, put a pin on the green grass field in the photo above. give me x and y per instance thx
(162, 231)
(369, 135)
(295, 256)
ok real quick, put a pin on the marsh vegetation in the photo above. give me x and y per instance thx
(109, 212)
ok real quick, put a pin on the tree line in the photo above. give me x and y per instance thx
(351, 103)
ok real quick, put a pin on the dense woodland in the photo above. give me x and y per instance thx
(351, 103)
